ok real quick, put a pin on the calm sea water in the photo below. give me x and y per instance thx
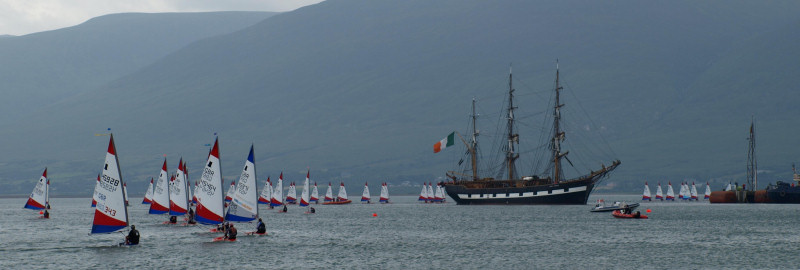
(411, 235)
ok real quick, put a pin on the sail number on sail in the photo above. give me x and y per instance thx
(38, 190)
(205, 183)
(243, 188)
(100, 205)
(175, 188)
(109, 183)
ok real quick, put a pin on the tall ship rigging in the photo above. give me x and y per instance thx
(548, 188)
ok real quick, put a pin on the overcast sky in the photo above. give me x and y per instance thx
(20, 17)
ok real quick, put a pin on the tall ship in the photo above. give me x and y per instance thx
(550, 187)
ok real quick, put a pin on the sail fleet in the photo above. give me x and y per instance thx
(686, 192)
(172, 194)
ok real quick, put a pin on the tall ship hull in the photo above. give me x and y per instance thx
(576, 192)
(551, 187)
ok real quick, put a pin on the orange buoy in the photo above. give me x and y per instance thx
(40, 212)
(648, 210)
(374, 214)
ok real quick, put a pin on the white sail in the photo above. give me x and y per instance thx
(437, 193)
(670, 192)
(148, 195)
(111, 214)
(384, 193)
(291, 194)
(160, 203)
(178, 205)
(244, 206)
(209, 195)
(729, 187)
(365, 195)
(342, 193)
(646, 193)
(315, 193)
(38, 198)
(659, 194)
(266, 192)
(231, 190)
(304, 197)
(329, 193)
(693, 192)
(430, 192)
(423, 194)
(707, 194)
(277, 195)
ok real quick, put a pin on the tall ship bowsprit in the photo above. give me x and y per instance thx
(549, 187)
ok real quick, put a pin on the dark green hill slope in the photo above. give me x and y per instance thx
(361, 90)
(41, 68)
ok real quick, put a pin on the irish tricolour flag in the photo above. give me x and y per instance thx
(444, 143)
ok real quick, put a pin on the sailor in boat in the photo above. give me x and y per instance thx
(285, 209)
(46, 214)
(625, 208)
(637, 214)
(173, 219)
(230, 233)
(313, 210)
(191, 217)
(47, 205)
(261, 228)
(133, 237)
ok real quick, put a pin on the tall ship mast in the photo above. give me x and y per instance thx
(514, 188)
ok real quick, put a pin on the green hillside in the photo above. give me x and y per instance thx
(359, 91)
(43, 68)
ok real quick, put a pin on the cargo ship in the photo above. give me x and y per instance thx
(780, 192)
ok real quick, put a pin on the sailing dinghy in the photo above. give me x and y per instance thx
(365, 195)
(304, 197)
(39, 197)
(209, 195)
(423, 195)
(266, 193)
(244, 206)
(430, 193)
(291, 194)
(659, 194)
(693, 192)
(160, 203)
(342, 198)
(315, 194)
(277, 194)
(670, 192)
(384, 194)
(178, 203)
(148, 195)
(707, 194)
(438, 195)
(329, 194)
(646, 194)
(229, 195)
(111, 213)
